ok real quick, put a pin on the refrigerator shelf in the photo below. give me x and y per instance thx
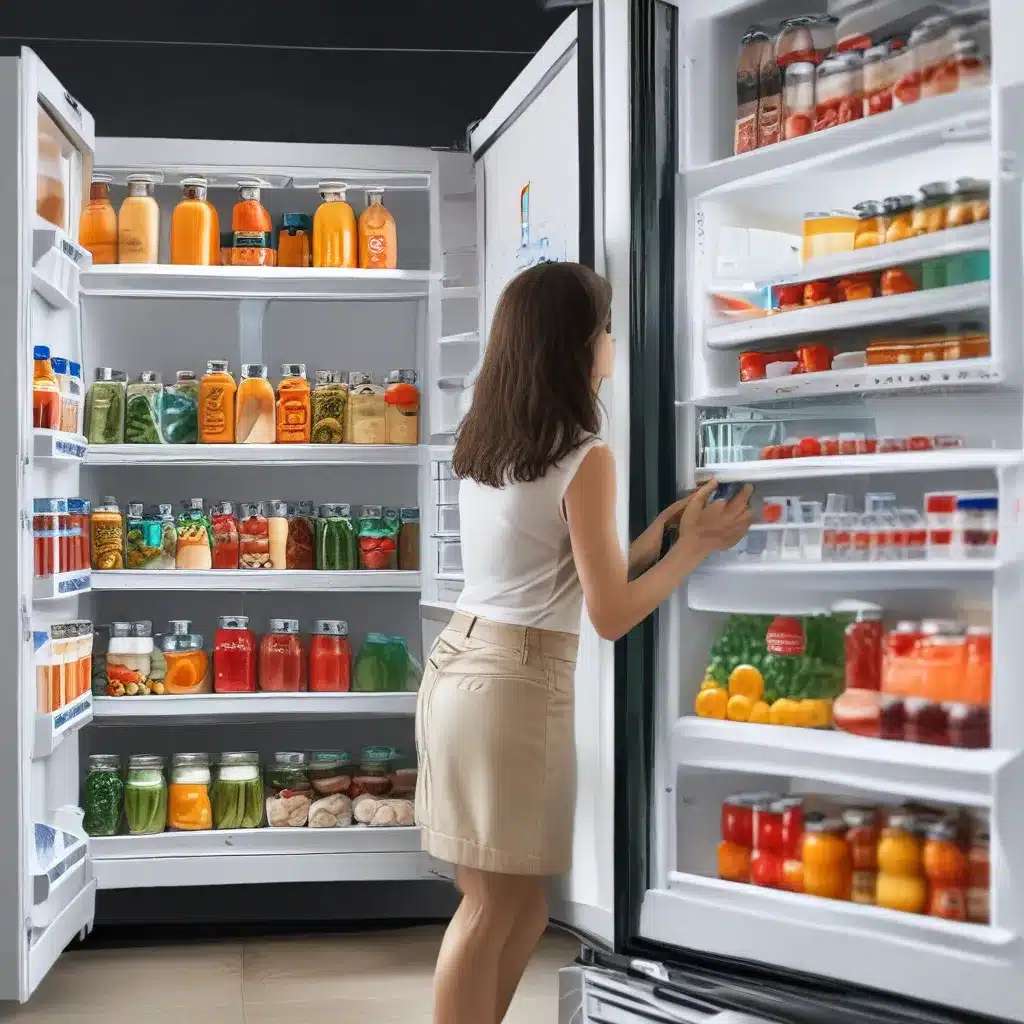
(57, 446)
(255, 705)
(841, 316)
(241, 580)
(164, 281)
(56, 265)
(864, 143)
(253, 455)
(64, 584)
(907, 770)
(74, 920)
(52, 728)
(941, 461)
(460, 292)
(260, 855)
(858, 380)
(919, 956)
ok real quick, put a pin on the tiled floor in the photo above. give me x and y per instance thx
(379, 977)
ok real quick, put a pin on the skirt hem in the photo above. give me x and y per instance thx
(465, 853)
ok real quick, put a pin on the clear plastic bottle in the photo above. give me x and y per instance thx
(138, 222)
(335, 241)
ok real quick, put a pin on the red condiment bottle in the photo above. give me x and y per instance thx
(234, 655)
(330, 657)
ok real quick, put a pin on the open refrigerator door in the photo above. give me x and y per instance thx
(833, 716)
(50, 894)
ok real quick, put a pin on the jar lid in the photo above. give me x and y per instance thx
(48, 506)
(76, 368)
(335, 189)
(371, 512)
(292, 758)
(897, 204)
(359, 377)
(862, 611)
(150, 761)
(79, 506)
(979, 630)
(378, 755)
(327, 377)
(250, 509)
(135, 509)
(102, 179)
(222, 508)
(973, 186)
(277, 509)
(331, 627)
(409, 514)
(254, 370)
(185, 376)
(193, 505)
(904, 821)
(373, 193)
(58, 363)
(786, 803)
(233, 622)
(936, 190)
(288, 626)
(120, 629)
(217, 366)
(979, 503)
(239, 757)
(101, 372)
(329, 758)
(142, 628)
(749, 799)
(338, 510)
(306, 508)
(105, 762)
(194, 181)
(823, 825)
(292, 222)
(293, 370)
(945, 627)
(907, 626)
(180, 627)
(929, 29)
(858, 817)
(869, 208)
(194, 759)
(873, 54)
(149, 377)
(943, 831)
(248, 183)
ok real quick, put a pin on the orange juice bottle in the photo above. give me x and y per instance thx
(378, 238)
(253, 231)
(293, 405)
(97, 227)
(45, 391)
(138, 222)
(194, 226)
(294, 248)
(334, 228)
(217, 404)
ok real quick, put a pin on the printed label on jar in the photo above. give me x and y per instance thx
(785, 636)
(977, 906)
(106, 546)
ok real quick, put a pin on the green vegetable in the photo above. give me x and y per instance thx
(179, 413)
(329, 402)
(383, 665)
(104, 792)
(237, 804)
(336, 539)
(140, 418)
(104, 413)
(145, 804)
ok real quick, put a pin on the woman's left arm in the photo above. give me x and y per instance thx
(646, 549)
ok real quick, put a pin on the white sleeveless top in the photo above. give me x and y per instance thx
(516, 554)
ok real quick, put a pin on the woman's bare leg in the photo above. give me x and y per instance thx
(530, 924)
(466, 980)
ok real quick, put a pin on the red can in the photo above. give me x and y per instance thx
(768, 827)
(792, 810)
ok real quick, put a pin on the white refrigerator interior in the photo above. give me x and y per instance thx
(739, 226)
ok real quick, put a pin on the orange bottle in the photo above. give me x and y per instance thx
(217, 404)
(195, 233)
(378, 238)
(252, 228)
(97, 227)
(293, 405)
(334, 228)
(138, 221)
(294, 246)
(45, 391)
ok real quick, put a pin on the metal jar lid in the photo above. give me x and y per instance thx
(142, 628)
(222, 508)
(233, 622)
(277, 509)
(149, 377)
(326, 377)
(239, 757)
(357, 378)
(869, 208)
(217, 366)
(293, 370)
(120, 629)
(331, 627)
(146, 762)
(254, 370)
(251, 509)
(409, 514)
(185, 376)
(290, 758)
(284, 626)
(371, 512)
(135, 509)
(193, 505)
(305, 508)
(104, 373)
(338, 510)
(191, 760)
(180, 627)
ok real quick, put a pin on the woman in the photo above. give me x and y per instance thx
(494, 723)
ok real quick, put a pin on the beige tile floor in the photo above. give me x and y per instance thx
(381, 977)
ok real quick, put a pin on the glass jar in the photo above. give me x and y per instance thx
(252, 230)
(839, 91)
(97, 226)
(301, 542)
(255, 418)
(188, 666)
(194, 549)
(289, 792)
(277, 513)
(225, 532)
(253, 537)
(978, 521)
(826, 859)
(234, 655)
(374, 773)
(104, 795)
(978, 672)
(329, 404)
(188, 797)
(945, 867)
(378, 537)
(107, 536)
(236, 793)
(798, 99)
(931, 208)
(145, 795)
(79, 513)
(336, 544)
(409, 539)
(871, 224)
(335, 237)
(879, 79)
(378, 237)
(738, 820)
(901, 883)
(217, 392)
(862, 834)
(863, 648)
(293, 405)
(330, 657)
(366, 410)
(978, 876)
(295, 241)
(827, 233)
(195, 226)
(282, 658)
(330, 772)
(402, 408)
(104, 408)
(898, 212)
(971, 64)
(138, 222)
(932, 43)
(179, 409)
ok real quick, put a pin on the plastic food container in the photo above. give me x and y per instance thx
(978, 523)
(827, 233)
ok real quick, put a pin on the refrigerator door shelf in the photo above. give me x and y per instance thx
(51, 729)
(75, 920)
(61, 585)
(57, 446)
(57, 263)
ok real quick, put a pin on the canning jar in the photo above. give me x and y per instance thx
(330, 657)
(871, 224)
(738, 820)
(901, 884)
(45, 534)
(899, 217)
(401, 408)
(236, 793)
(330, 772)
(879, 78)
(282, 658)
(978, 521)
(945, 867)
(277, 513)
(294, 401)
(288, 790)
(906, 77)
(366, 410)
(253, 537)
(978, 672)
(188, 798)
(187, 664)
(104, 795)
(932, 44)
(794, 43)
(299, 553)
(106, 529)
(863, 646)
(194, 549)
(224, 528)
(971, 65)
(409, 539)
(329, 404)
(961, 204)
(378, 537)
(766, 861)
(145, 795)
(234, 656)
(374, 773)
(826, 859)
(839, 91)
(336, 544)
(798, 99)
(931, 208)
(862, 834)
(978, 876)
(79, 512)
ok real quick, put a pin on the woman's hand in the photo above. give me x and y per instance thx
(715, 525)
(646, 549)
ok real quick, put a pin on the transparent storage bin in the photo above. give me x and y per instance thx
(449, 558)
(446, 486)
(448, 519)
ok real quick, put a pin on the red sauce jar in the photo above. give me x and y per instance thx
(282, 658)
(738, 820)
(234, 656)
(301, 536)
(792, 810)
(330, 657)
(224, 525)
(78, 516)
(768, 826)
(863, 644)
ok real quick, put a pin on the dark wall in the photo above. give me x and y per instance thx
(414, 74)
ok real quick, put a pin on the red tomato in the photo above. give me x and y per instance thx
(830, 446)
(787, 295)
(784, 451)
(752, 366)
(808, 447)
(770, 451)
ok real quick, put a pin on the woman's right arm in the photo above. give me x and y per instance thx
(615, 603)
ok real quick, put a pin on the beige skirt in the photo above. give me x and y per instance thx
(497, 762)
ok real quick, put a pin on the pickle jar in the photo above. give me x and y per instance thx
(236, 793)
(104, 795)
(145, 795)
(931, 210)
(289, 792)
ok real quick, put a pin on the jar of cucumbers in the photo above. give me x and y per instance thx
(237, 791)
(145, 795)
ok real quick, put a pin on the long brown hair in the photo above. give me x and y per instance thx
(534, 400)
